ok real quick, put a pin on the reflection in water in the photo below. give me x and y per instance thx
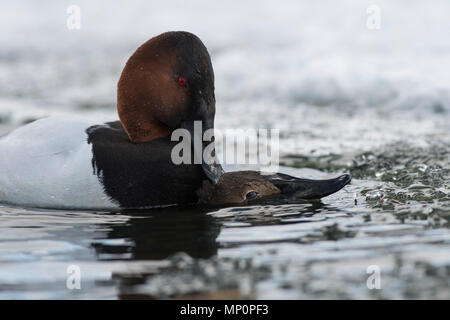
(164, 233)
(158, 234)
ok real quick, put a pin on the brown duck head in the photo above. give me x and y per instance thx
(242, 186)
(168, 83)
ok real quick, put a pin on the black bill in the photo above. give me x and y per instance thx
(211, 166)
(297, 188)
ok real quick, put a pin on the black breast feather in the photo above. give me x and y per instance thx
(137, 175)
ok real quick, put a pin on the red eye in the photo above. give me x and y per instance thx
(182, 81)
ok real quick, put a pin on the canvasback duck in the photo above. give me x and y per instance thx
(75, 163)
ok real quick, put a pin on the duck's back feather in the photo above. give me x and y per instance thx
(47, 163)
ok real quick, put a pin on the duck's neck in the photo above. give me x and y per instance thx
(144, 131)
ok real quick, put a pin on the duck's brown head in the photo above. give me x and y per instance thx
(237, 187)
(168, 83)
(241, 186)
